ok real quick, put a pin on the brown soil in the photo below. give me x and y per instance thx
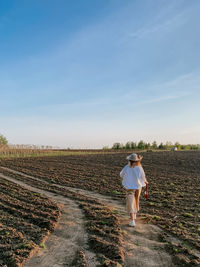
(142, 244)
(69, 236)
(174, 185)
(25, 219)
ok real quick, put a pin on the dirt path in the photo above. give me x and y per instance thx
(69, 237)
(142, 245)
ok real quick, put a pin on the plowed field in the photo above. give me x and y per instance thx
(25, 219)
(174, 185)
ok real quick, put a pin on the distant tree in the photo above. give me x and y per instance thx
(185, 147)
(154, 145)
(194, 147)
(141, 145)
(177, 144)
(133, 145)
(147, 145)
(161, 146)
(3, 140)
(168, 145)
(128, 145)
(117, 146)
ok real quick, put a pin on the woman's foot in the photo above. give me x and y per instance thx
(132, 223)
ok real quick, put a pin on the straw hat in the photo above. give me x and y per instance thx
(134, 157)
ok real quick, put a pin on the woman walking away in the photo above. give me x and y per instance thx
(133, 180)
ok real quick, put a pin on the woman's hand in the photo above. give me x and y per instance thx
(146, 182)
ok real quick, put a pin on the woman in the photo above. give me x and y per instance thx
(133, 180)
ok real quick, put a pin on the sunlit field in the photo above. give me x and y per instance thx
(174, 197)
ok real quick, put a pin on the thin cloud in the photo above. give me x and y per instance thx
(165, 98)
(173, 22)
(181, 86)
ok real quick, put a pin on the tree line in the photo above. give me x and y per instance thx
(154, 146)
(129, 145)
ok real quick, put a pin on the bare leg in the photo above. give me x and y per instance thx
(137, 196)
(132, 216)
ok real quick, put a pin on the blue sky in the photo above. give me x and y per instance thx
(90, 73)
